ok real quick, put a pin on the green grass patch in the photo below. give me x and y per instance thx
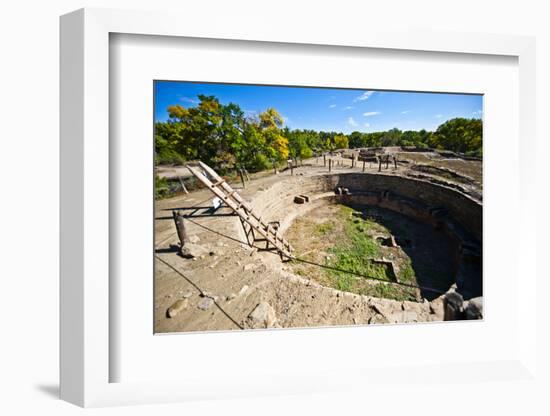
(355, 254)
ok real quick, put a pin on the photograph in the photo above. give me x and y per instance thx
(301, 207)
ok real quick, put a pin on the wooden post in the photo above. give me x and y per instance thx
(329, 165)
(183, 185)
(180, 227)
(379, 163)
(325, 160)
(395, 162)
(274, 167)
(353, 160)
(246, 174)
(363, 165)
(241, 174)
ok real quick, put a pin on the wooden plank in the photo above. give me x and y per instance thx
(234, 201)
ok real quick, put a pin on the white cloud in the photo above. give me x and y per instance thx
(405, 112)
(349, 107)
(352, 122)
(189, 100)
(367, 125)
(332, 106)
(365, 96)
(371, 113)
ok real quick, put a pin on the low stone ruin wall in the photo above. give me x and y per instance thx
(463, 209)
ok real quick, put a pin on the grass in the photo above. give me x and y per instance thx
(355, 252)
(325, 228)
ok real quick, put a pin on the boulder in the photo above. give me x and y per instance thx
(177, 307)
(453, 306)
(263, 316)
(205, 303)
(474, 309)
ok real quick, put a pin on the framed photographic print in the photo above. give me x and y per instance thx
(312, 205)
(265, 220)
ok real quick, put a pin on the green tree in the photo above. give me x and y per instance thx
(341, 141)
(459, 135)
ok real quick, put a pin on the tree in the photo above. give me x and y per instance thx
(341, 141)
(223, 137)
(459, 135)
(356, 140)
(391, 137)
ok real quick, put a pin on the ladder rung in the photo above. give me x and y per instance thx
(236, 203)
(217, 183)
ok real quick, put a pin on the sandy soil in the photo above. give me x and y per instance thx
(229, 285)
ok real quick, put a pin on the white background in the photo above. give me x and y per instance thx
(29, 225)
(137, 60)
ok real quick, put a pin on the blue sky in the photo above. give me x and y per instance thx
(328, 109)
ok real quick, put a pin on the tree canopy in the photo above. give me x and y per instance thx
(223, 136)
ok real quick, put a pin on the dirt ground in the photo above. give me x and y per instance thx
(229, 285)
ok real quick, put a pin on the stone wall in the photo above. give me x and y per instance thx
(463, 209)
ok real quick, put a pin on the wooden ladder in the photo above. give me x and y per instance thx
(252, 223)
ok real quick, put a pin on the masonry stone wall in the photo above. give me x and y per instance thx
(463, 209)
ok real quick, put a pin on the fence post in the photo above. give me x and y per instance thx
(242, 177)
(329, 165)
(325, 160)
(363, 165)
(180, 227)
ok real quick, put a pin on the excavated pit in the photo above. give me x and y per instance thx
(415, 232)
(426, 226)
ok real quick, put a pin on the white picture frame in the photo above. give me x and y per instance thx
(85, 211)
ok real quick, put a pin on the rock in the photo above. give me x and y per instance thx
(299, 199)
(186, 295)
(191, 250)
(243, 289)
(410, 316)
(231, 296)
(177, 307)
(249, 266)
(437, 308)
(453, 306)
(377, 319)
(474, 309)
(194, 239)
(403, 316)
(263, 316)
(205, 303)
